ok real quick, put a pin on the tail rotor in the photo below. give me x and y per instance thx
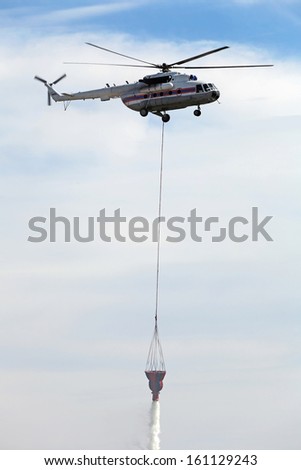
(40, 79)
(49, 86)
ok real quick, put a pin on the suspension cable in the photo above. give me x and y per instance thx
(159, 227)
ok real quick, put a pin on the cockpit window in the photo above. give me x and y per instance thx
(209, 87)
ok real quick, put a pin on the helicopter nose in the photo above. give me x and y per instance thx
(215, 95)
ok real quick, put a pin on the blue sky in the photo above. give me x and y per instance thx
(262, 23)
(78, 318)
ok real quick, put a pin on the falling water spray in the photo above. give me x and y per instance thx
(154, 429)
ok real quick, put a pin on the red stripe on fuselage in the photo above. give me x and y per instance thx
(166, 94)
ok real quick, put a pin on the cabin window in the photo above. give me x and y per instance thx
(144, 96)
(170, 92)
(161, 93)
(154, 95)
(179, 92)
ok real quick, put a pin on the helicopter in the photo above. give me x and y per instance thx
(156, 93)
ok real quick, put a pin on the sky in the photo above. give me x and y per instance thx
(77, 318)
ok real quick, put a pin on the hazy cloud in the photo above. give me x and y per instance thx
(70, 14)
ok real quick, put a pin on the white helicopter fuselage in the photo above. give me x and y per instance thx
(154, 93)
(179, 92)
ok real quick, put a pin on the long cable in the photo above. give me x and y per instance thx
(159, 227)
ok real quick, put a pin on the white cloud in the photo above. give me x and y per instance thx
(30, 17)
(70, 14)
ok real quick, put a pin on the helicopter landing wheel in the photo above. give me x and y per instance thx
(165, 117)
(197, 112)
(144, 112)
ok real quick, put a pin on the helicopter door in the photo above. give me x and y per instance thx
(157, 98)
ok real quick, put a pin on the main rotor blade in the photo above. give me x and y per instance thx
(122, 55)
(204, 54)
(114, 65)
(224, 66)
